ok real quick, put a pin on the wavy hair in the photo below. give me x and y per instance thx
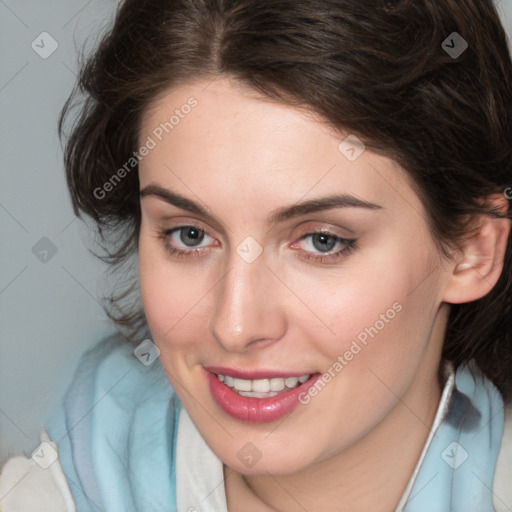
(374, 68)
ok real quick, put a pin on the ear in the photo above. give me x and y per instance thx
(478, 265)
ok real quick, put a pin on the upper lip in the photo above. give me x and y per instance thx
(240, 373)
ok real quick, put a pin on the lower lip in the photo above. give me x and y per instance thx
(256, 410)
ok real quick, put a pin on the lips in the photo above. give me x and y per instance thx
(257, 397)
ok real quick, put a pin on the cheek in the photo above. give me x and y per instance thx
(166, 290)
(177, 302)
(375, 313)
(357, 301)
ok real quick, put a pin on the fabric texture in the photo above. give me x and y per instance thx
(116, 434)
(36, 483)
(458, 470)
(118, 442)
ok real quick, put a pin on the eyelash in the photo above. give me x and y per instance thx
(349, 245)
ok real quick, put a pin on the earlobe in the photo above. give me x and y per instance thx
(480, 262)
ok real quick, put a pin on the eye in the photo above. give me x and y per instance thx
(188, 242)
(190, 236)
(325, 242)
(184, 241)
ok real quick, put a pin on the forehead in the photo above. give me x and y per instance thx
(219, 140)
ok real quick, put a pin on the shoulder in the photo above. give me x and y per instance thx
(35, 483)
(502, 491)
(117, 425)
(111, 382)
(112, 443)
(495, 432)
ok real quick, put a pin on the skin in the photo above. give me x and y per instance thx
(241, 156)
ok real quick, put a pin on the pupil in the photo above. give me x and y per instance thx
(191, 236)
(323, 242)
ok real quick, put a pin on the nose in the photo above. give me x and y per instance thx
(248, 310)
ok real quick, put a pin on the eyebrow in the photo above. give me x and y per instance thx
(279, 215)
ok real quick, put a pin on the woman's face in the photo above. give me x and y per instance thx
(248, 271)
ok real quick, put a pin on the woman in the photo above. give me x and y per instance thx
(316, 195)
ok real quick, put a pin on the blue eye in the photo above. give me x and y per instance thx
(188, 236)
(325, 242)
(186, 242)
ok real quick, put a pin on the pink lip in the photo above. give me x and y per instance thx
(256, 410)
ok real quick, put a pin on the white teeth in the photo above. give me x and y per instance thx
(261, 385)
(262, 388)
(291, 382)
(242, 385)
(277, 384)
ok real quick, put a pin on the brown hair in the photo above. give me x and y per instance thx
(379, 69)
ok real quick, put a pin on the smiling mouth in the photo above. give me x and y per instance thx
(262, 388)
(257, 396)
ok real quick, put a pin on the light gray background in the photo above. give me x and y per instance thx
(49, 312)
